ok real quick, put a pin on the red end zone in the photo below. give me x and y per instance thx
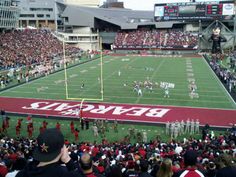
(121, 112)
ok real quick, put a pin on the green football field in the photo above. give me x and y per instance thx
(119, 88)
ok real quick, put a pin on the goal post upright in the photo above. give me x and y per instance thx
(99, 74)
(65, 69)
(101, 71)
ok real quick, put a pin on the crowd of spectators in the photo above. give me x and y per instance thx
(212, 156)
(31, 50)
(224, 73)
(172, 38)
(27, 47)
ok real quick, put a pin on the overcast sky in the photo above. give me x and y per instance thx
(138, 4)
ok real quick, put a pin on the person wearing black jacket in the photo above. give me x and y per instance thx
(144, 169)
(48, 156)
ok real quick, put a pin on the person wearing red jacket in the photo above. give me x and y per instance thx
(58, 126)
(18, 128)
(76, 134)
(19, 121)
(72, 127)
(30, 129)
(45, 123)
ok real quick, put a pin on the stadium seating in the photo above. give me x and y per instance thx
(27, 47)
(211, 153)
(173, 38)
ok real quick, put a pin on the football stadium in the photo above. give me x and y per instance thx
(108, 90)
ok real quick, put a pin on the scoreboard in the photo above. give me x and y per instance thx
(220, 10)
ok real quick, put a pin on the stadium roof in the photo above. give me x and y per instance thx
(125, 18)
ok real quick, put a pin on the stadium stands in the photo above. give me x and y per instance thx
(30, 53)
(27, 47)
(225, 74)
(211, 154)
(145, 38)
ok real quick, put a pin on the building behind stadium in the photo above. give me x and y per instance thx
(9, 14)
(84, 25)
(82, 22)
(43, 13)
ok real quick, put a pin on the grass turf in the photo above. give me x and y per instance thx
(175, 70)
(153, 132)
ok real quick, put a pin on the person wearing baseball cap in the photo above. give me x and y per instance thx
(48, 154)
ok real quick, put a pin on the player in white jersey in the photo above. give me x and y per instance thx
(136, 86)
(140, 93)
(82, 85)
(197, 125)
(187, 128)
(192, 126)
(119, 73)
(166, 92)
(167, 128)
